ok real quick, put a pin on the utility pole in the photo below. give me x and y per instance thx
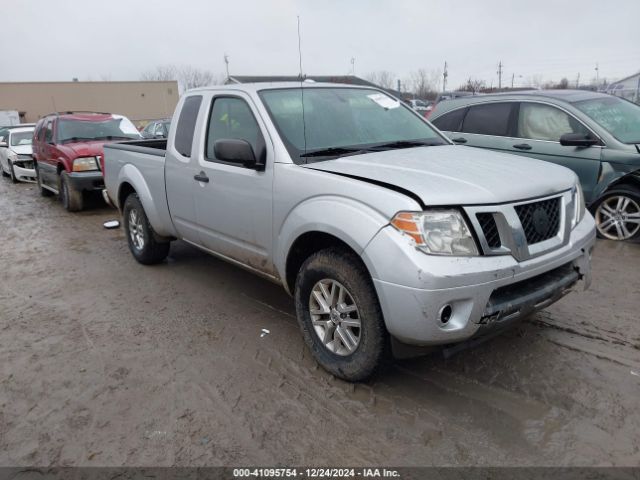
(353, 65)
(226, 62)
(399, 86)
(500, 75)
(578, 81)
(445, 74)
(597, 75)
(513, 76)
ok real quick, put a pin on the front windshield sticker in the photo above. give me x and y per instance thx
(384, 101)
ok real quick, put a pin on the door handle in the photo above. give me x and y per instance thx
(201, 177)
(522, 146)
(459, 140)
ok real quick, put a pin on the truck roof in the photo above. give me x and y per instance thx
(256, 87)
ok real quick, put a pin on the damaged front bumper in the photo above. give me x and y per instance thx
(436, 300)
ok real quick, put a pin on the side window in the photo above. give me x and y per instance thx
(544, 122)
(48, 132)
(450, 122)
(187, 125)
(488, 119)
(231, 118)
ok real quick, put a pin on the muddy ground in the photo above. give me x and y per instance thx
(106, 362)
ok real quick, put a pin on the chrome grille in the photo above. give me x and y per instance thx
(489, 229)
(540, 220)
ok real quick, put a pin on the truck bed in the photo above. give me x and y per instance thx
(139, 163)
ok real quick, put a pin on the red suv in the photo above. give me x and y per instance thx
(67, 148)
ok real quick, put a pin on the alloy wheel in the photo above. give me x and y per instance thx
(136, 229)
(618, 218)
(335, 317)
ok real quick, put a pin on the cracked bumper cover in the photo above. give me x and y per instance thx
(484, 292)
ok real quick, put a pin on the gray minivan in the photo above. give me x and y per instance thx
(595, 135)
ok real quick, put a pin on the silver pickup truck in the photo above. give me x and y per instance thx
(389, 238)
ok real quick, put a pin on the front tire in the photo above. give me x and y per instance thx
(340, 316)
(12, 173)
(617, 214)
(141, 238)
(71, 198)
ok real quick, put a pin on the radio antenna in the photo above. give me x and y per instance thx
(304, 125)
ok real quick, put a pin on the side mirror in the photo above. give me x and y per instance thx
(4, 144)
(577, 140)
(236, 151)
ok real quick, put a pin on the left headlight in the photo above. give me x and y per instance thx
(85, 164)
(437, 232)
(578, 205)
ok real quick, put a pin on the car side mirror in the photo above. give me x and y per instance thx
(236, 151)
(577, 140)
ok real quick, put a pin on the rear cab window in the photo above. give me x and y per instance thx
(490, 119)
(185, 130)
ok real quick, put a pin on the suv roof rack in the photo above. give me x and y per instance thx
(71, 112)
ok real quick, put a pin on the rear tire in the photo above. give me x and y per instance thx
(353, 353)
(142, 240)
(617, 214)
(71, 199)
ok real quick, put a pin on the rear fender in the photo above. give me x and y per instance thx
(129, 174)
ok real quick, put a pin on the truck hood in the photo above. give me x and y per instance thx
(83, 149)
(22, 149)
(455, 175)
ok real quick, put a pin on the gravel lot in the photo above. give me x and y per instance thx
(107, 362)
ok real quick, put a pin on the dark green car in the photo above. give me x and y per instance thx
(595, 135)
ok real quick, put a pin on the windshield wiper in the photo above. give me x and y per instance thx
(333, 152)
(406, 144)
(77, 139)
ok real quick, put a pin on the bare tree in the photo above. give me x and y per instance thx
(382, 78)
(473, 85)
(161, 73)
(187, 76)
(425, 84)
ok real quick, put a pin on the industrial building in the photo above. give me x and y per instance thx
(139, 101)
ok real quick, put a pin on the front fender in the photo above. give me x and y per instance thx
(613, 174)
(129, 174)
(349, 220)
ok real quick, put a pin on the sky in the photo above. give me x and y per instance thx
(57, 40)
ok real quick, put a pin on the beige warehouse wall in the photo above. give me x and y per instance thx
(137, 100)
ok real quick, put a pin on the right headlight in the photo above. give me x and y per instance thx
(437, 232)
(578, 205)
(85, 164)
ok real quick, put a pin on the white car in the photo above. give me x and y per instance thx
(16, 154)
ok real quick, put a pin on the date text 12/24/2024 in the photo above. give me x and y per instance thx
(315, 473)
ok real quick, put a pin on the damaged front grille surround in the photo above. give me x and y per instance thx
(523, 229)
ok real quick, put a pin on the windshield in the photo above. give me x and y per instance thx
(620, 118)
(21, 138)
(116, 127)
(339, 118)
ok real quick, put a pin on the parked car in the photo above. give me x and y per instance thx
(9, 118)
(384, 232)
(16, 156)
(420, 106)
(595, 135)
(68, 151)
(156, 129)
